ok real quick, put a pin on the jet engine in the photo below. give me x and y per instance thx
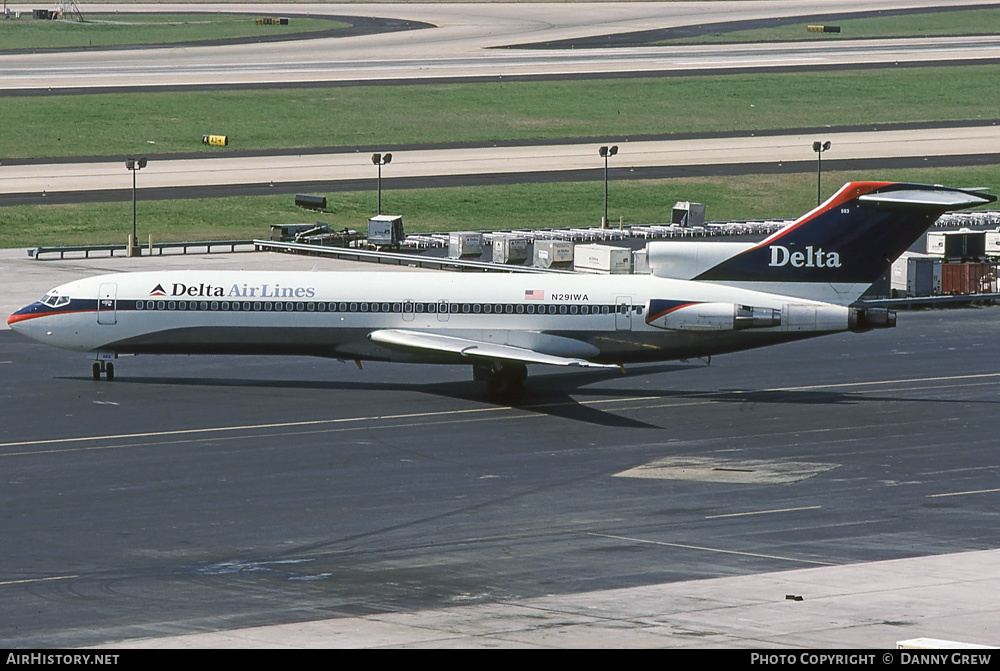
(688, 316)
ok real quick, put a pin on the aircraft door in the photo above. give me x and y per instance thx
(107, 304)
(623, 313)
(442, 311)
(407, 310)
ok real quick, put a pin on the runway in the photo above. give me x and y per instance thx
(197, 495)
(467, 42)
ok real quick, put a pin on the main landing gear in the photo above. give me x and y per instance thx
(103, 365)
(504, 379)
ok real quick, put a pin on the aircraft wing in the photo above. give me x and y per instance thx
(445, 344)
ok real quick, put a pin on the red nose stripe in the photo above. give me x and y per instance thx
(18, 317)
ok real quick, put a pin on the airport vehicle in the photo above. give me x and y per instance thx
(700, 300)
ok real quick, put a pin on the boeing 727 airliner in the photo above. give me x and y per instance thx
(701, 299)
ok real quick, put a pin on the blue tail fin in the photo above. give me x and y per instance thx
(852, 238)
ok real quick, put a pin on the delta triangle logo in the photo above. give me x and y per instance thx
(158, 291)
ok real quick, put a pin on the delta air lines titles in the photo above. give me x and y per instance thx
(203, 290)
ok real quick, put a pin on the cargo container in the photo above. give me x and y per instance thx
(968, 278)
(958, 245)
(688, 214)
(923, 276)
(992, 240)
(386, 230)
(912, 272)
(553, 254)
(465, 243)
(510, 249)
(640, 261)
(604, 259)
(897, 277)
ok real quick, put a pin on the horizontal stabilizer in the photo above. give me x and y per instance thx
(445, 344)
(951, 199)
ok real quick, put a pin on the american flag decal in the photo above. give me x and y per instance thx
(534, 295)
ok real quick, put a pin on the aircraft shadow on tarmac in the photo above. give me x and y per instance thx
(562, 395)
(551, 395)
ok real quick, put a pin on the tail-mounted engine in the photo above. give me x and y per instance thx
(689, 316)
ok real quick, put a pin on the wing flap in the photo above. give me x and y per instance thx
(467, 347)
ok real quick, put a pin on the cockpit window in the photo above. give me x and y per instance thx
(54, 300)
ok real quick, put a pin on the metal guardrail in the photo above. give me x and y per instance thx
(398, 259)
(159, 247)
(68, 249)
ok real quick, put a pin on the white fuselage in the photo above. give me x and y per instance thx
(603, 318)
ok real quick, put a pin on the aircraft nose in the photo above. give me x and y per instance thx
(17, 320)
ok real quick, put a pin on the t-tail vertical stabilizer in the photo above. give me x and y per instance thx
(836, 251)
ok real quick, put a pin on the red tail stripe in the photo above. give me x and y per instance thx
(845, 195)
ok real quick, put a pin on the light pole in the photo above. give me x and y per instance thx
(134, 165)
(380, 160)
(819, 148)
(606, 152)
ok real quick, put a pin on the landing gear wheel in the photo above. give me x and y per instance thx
(504, 379)
(105, 367)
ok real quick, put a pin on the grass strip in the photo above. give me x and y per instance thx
(929, 24)
(113, 30)
(445, 209)
(381, 116)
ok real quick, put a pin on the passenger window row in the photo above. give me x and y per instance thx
(406, 307)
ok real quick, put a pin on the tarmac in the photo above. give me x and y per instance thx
(863, 606)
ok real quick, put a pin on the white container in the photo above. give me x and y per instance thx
(993, 243)
(386, 230)
(961, 244)
(602, 259)
(640, 262)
